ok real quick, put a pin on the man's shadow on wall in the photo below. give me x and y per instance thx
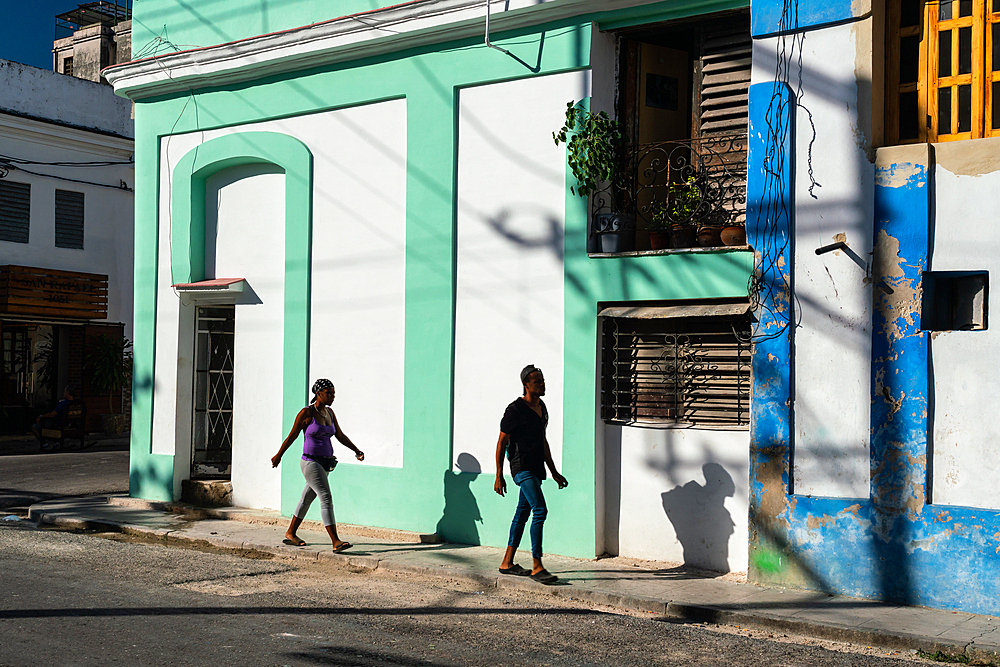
(700, 518)
(461, 511)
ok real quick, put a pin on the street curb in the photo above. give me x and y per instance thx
(667, 609)
(271, 519)
(831, 631)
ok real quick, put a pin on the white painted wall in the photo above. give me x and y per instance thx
(678, 495)
(42, 93)
(965, 466)
(108, 212)
(239, 200)
(511, 200)
(358, 286)
(832, 339)
(359, 275)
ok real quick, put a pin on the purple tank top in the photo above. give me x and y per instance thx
(317, 439)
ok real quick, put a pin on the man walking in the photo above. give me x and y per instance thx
(522, 438)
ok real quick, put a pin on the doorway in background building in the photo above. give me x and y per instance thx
(212, 451)
(28, 370)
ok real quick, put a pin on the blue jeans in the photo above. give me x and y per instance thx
(530, 500)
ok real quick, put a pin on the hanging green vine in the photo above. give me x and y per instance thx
(593, 144)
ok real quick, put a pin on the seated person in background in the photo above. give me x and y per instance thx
(55, 418)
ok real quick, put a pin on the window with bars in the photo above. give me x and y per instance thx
(683, 371)
(69, 219)
(15, 211)
(943, 70)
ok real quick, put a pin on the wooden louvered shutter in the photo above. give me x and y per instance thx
(69, 219)
(15, 211)
(721, 116)
(722, 84)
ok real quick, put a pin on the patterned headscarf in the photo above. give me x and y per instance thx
(320, 385)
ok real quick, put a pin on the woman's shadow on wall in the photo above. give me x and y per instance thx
(700, 518)
(461, 511)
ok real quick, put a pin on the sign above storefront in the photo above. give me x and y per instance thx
(28, 291)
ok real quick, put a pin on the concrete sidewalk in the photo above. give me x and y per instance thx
(672, 592)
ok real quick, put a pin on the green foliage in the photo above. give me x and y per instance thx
(683, 201)
(109, 365)
(940, 656)
(46, 353)
(593, 143)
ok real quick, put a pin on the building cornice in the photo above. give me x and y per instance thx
(24, 127)
(404, 26)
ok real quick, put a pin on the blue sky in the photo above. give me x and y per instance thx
(28, 28)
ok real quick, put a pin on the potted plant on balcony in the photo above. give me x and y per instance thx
(109, 366)
(593, 145)
(659, 226)
(674, 223)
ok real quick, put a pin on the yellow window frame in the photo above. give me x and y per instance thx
(932, 78)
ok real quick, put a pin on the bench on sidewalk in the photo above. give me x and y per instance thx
(71, 427)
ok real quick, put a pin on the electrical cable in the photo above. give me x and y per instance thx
(100, 163)
(6, 167)
(773, 220)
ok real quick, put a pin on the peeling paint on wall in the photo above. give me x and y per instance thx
(969, 158)
(892, 545)
(900, 175)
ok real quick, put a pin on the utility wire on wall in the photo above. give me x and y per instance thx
(101, 163)
(6, 167)
(774, 220)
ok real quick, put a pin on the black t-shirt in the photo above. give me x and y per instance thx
(526, 448)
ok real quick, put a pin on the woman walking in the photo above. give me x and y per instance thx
(319, 424)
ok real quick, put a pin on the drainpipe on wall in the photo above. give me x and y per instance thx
(488, 43)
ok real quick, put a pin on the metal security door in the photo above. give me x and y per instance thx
(212, 454)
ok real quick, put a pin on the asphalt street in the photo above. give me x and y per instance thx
(28, 475)
(83, 599)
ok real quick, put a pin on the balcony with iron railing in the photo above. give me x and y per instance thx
(678, 195)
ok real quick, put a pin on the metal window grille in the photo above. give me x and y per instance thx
(687, 371)
(69, 219)
(15, 211)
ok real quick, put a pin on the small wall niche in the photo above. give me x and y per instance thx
(955, 301)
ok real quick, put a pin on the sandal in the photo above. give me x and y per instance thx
(298, 542)
(516, 570)
(342, 547)
(543, 576)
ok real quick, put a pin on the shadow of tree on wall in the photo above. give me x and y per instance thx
(461, 511)
(700, 519)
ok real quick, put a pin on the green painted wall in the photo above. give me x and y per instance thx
(165, 26)
(412, 497)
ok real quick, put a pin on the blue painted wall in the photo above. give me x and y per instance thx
(768, 17)
(892, 546)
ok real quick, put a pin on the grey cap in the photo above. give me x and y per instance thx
(528, 370)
